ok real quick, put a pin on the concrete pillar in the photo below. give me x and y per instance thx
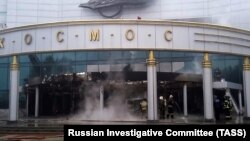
(37, 102)
(240, 102)
(185, 106)
(207, 88)
(246, 83)
(152, 87)
(101, 101)
(14, 90)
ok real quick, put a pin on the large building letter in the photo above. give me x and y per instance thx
(130, 35)
(168, 35)
(95, 35)
(28, 39)
(59, 33)
(1, 42)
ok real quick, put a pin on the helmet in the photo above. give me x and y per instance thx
(171, 96)
(161, 97)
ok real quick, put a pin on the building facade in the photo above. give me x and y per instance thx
(142, 43)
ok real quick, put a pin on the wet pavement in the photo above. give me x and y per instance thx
(51, 129)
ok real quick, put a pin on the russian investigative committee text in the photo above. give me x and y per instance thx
(161, 131)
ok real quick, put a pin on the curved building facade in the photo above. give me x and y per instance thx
(224, 12)
(49, 68)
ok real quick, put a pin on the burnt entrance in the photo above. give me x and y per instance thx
(70, 94)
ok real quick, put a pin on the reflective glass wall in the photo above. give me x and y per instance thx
(4, 82)
(46, 64)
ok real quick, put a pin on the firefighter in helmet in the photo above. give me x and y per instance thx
(162, 105)
(170, 107)
(227, 106)
(143, 107)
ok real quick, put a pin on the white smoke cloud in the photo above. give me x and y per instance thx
(115, 104)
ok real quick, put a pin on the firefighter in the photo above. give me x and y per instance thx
(162, 106)
(227, 106)
(170, 106)
(143, 106)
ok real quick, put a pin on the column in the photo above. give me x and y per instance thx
(240, 102)
(101, 101)
(246, 84)
(14, 90)
(207, 88)
(37, 102)
(185, 106)
(152, 87)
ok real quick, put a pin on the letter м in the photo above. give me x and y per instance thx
(95, 35)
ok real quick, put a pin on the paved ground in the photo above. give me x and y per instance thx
(48, 129)
(32, 137)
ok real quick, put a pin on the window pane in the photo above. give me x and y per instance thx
(92, 55)
(104, 55)
(81, 56)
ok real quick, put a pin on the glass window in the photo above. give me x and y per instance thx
(138, 54)
(233, 70)
(4, 77)
(156, 53)
(216, 56)
(116, 55)
(92, 55)
(24, 75)
(47, 69)
(104, 55)
(229, 66)
(4, 99)
(178, 54)
(81, 56)
(58, 56)
(47, 58)
(232, 57)
(81, 68)
(35, 70)
(22, 100)
(24, 59)
(164, 54)
(63, 67)
(4, 60)
(69, 56)
(193, 54)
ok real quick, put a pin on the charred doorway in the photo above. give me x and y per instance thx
(69, 94)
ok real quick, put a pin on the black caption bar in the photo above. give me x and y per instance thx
(220, 132)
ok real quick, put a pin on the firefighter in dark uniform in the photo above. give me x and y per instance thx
(170, 106)
(227, 106)
(162, 107)
(143, 107)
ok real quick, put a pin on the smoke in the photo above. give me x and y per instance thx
(113, 108)
(193, 66)
(4, 114)
(197, 68)
(107, 100)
